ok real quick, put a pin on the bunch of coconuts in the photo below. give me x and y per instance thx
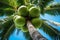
(25, 13)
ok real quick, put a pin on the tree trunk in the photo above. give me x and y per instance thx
(35, 35)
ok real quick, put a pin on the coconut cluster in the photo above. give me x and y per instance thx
(31, 13)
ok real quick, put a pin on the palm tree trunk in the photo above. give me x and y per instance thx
(35, 35)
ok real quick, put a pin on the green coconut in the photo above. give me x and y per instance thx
(24, 29)
(36, 22)
(18, 27)
(30, 5)
(22, 10)
(34, 12)
(19, 21)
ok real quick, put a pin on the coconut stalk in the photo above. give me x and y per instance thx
(35, 35)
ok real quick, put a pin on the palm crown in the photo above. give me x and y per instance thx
(12, 9)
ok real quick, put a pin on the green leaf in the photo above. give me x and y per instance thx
(6, 9)
(53, 9)
(20, 2)
(7, 21)
(8, 32)
(6, 12)
(49, 30)
(9, 6)
(27, 35)
(1, 21)
(6, 24)
(44, 2)
(26, 2)
(34, 1)
(12, 3)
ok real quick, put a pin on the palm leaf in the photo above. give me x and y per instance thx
(6, 9)
(9, 6)
(27, 36)
(44, 3)
(12, 3)
(34, 1)
(54, 22)
(1, 21)
(6, 27)
(49, 30)
(8, 32)
(41, 3)
(53, 9)
(26, 2)
(6, 12)
(1, 28)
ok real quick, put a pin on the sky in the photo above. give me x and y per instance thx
(57, 0)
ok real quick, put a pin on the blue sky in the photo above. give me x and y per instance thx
(57, 0)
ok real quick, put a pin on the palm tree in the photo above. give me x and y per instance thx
(10, 7)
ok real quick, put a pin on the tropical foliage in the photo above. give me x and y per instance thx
(12, 10)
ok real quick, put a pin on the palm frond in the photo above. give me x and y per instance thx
(6, 26)
(54, 22)
(1, 28)
(9, 7)
(9, 31)
(53, 9)
(12, 3)
(52, 28)
(43, 3)
(34, 1)
(1, 21)
(6, 12)
(27, 36)
(20, 2)
(4, 4)
(6, 9)
(49, 30)
(6, 21)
